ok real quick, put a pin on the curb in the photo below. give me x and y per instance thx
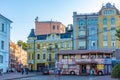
(22, 77)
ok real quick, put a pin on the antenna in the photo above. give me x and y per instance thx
(36, 19)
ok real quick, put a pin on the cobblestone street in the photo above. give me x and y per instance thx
(47, 77)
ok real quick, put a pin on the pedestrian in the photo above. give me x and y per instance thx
(22, 70)
(26, 70)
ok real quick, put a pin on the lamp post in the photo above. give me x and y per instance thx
(34, 54)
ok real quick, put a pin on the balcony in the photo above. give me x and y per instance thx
(30, 61)
(51, 60)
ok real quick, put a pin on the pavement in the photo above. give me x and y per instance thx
(15, 75)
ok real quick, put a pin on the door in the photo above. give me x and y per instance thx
(84, 70)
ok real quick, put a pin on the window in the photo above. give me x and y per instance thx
(32, 56)
(38, 46)
(2, 44)
(62, 45)
(93, 43)
(28, 56)
(105, 43)
(82, 33)
(57, 27)
(112, 21)
(93, 56)
(84, 56)
(100, 56)
(104, 21)
(38, 56)
(53, 27)
(113, 43)
(68, 44)
(82, 44)
(43, 56)
(56, 56)
(2, 27)
(1, 59)
(49, 57)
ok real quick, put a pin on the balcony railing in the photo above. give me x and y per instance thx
(30, 61)
(51, 60)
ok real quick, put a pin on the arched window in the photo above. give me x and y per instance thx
(112, 21)
(104, 21)
(81, 23)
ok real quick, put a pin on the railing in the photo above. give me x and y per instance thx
(51, 60)
(30, 61)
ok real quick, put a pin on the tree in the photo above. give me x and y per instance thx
(118, 34)
(23, 44)
(116, 71)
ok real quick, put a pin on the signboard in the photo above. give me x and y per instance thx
(100, 66)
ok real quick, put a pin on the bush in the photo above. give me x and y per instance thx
(116, 71)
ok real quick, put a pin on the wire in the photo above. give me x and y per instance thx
(71, 39)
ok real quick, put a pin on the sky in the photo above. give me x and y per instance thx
(24, 12)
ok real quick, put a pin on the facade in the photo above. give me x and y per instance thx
(109, 21)
(17, 57)
(85, 31)
(96, 30)
(48, 27)
(81, 62)
(42, 49)
(4, 42)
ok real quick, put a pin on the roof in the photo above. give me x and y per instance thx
(32, 33)
(41, 37)
(65, 35)
(84, 51)
(5, 18)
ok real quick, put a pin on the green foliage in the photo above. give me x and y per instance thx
(23, 44)
(118, 34)
(116, 71)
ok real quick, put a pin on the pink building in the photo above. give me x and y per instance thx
(48, 27)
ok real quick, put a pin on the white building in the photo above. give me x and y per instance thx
(4, 42)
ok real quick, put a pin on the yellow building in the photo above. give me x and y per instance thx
(42, 49)
(108, 22)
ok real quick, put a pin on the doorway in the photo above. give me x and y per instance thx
(84, 70)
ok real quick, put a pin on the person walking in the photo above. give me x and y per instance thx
(22, 70)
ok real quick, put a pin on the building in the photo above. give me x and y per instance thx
(4, 42)
(109, 21)
(93, 34)
(43, 48)
(85, 31)
(17, 57)
(96, 30)
(48, 27)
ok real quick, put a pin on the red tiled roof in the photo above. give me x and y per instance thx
(84, 51)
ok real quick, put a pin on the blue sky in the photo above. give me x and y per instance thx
(23, 12)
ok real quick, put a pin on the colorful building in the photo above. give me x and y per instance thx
(43, 48)
(4, 42)
(85, 28)
(96, 30)
(17, 57)
(109, 21)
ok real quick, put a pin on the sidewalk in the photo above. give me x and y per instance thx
(11, 76)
